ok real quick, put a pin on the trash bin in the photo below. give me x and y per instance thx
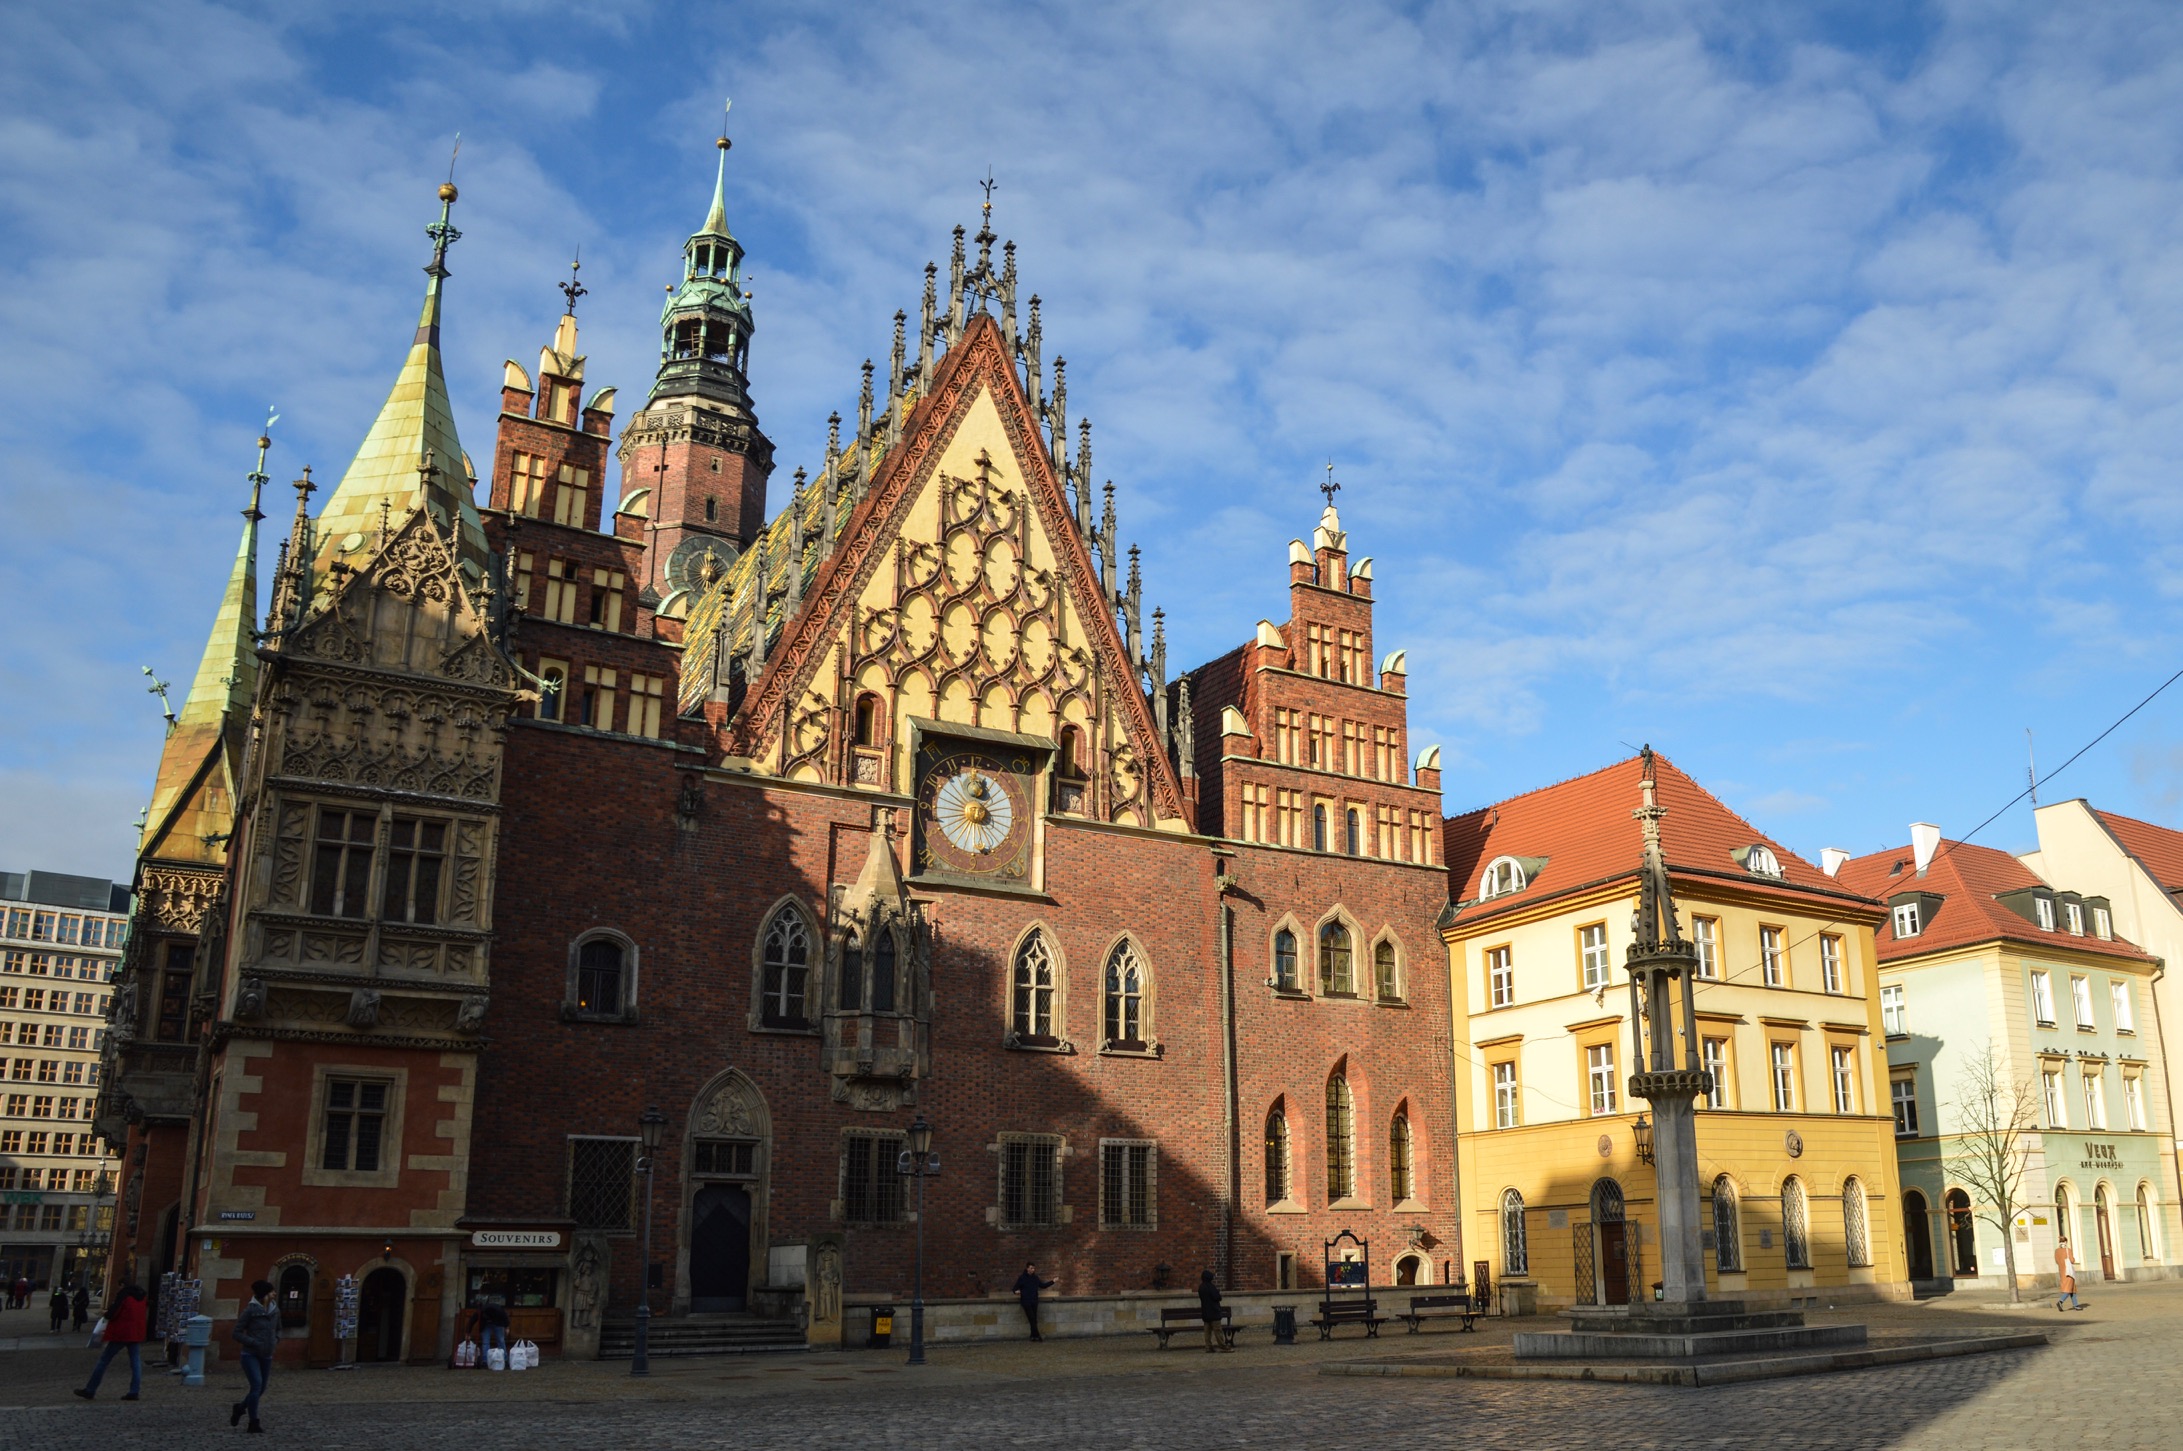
(882, 1327)
(1284, 1324)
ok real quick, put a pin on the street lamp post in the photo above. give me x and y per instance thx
(919, 1160)
(650, 1124)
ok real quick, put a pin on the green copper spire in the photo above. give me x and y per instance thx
(384, 483)
(705, 326)
(219, 698)
(716, 220)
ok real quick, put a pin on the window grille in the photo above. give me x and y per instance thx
(602, 1176)
(1030, 1182)
(1515, 1250)
(1341, 1153)
(871, 1190)
(1033, 1018)
(1126, 1199)
(1855, 1240)
(1796, 1239)
(1727, 1228)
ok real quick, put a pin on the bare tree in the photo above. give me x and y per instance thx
(1995, 1116)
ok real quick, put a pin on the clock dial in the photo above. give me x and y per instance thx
(974, 814)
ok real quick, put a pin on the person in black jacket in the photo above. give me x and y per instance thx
(1028, 1284)
(1209, 1307)
(80, 1306)
(256, 1333)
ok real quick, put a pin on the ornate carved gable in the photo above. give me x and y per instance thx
(962, 593)
(410, 608)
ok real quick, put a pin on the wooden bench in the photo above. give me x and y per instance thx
(1348, 1312)
(1441, 1307)
(1185, 1318)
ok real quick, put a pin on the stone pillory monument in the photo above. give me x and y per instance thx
(822, 817)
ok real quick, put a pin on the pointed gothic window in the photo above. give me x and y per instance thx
(1384, 980)
(1125, 997)
(867, 722)
(1337, 976)
(785, 961)
(1400, 1187)
(883, 972)
(1341, 1138)
(1032, 1018)
(1277, 1153)
(1284, 962)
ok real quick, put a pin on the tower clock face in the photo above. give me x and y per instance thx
(974, 813)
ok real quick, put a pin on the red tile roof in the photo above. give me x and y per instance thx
(1586, 831)
(2157, 846)
(1969, 880)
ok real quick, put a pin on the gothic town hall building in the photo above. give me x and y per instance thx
(622, 775)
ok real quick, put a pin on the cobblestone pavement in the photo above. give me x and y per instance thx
(2108, 1379)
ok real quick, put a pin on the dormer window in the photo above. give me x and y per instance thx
(1760, 861)
(1906, 921)
(2073, 914)
(1503, 876)
(2044, 907)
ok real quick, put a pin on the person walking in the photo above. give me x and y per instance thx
(79, 1308)
(59, 1306)
(2065, 1267)
(126, 1323)
(492, 1330)
(19, 1293)
(257, 1331)
(1209, 1306)
(1028, 1284)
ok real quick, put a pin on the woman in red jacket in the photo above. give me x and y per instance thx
(126, 1323)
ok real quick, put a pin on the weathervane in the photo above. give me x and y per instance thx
(987, 185)
(573, 289)
(1330, 488)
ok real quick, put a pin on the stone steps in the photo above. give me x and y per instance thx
(700, 1335)
(1674, 1344)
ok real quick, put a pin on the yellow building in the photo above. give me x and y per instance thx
(1796, 1144)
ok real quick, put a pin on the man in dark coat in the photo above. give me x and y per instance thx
(80, 1306)
(1209, 1307)
(1028, 1284)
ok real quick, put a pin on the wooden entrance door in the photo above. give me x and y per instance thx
(379, 1307)
(2107, 1237)
(1614, 1263)
(720, 1248)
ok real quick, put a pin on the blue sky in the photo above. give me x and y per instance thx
(1794, 387)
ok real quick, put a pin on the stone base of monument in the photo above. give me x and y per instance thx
(1717, 1342)
(1682, 1332)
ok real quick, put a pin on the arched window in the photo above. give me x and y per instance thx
(1515, 1247)
(1284, 961)
(867, 723)
(2065, 1214)
(1352, 832)
(1856, 1238)
(1032, 1018)
(884, 976)
(785, 971)
(295, 1297)
(1069, 756)
(1341, 1139)
(1125, 996)
(852, 974)
(1398, 1157)
(1796, 1233)
(1277, 1153)
(600, 989)
(1727, 1228)
(1318, 828)
(1406, 1269)
(1337, 976)
(2148, 1251)
(1383, 973)
(1503, 875)
(1963, 1232)
(1761, 861)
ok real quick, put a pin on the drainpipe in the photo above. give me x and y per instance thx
(1231, 1189)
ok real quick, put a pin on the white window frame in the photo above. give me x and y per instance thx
(2095, 1099)
(2119, 998)
(1707, 932)
(1599, 1077)
(2103, 922)
(1761, 861)
(1504, 875)
(2073, 916)
(1903, 1097)
(1893, 1016)
(1843, 1061)
(2133, 1100)
(1713, 1054)
(1592, 948)
(1781, 1060)
(1500, 976)
(1507, 1096)
(1906, 920)
(2042, 998)
(1830, 962)
(2080, 1000)
(2057, 1100)
(1772, 952)
(2044, 908)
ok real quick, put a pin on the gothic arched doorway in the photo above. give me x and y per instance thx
(379, 1304)
(1614, 1243)
(1918, 1234)
(727, 1155)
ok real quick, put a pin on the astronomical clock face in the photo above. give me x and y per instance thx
(974, 812)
